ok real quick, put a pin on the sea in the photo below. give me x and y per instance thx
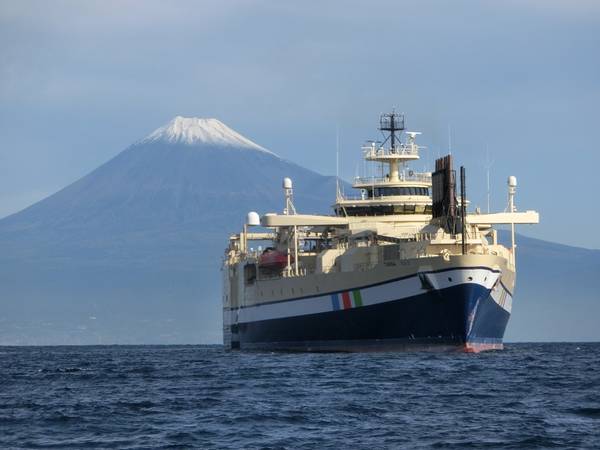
(526, 396)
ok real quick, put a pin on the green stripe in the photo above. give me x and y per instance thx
(357, 298)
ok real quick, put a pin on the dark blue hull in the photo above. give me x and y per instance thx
(459, 317)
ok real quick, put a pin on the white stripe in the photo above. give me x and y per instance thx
(393, 290)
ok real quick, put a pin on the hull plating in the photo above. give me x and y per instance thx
(464, 317)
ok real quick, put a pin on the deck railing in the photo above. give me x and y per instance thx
(418, 177)
(371, 151)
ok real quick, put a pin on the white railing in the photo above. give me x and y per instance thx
(370, 180)
(378, 197)
(419, 177)
(370, 151)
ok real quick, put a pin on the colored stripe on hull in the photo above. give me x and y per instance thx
(335, 302)
(347, 302)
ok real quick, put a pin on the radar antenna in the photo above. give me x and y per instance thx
(392, 122)
(412, 136)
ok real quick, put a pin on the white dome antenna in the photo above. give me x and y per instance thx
(289, 196)
(253, 219)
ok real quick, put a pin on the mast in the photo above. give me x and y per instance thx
(512, 189)
(463, 209)
(392, 122)
(337, 162)
(393, 133)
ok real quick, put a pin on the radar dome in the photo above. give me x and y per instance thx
(287, 183)
(253, 219)
(512, 181)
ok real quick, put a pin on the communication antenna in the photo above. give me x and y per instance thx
(512, 190)
(337, 162)
(449, 139)
(488, 165)
(463, 209)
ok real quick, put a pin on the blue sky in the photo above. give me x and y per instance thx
(80, 81)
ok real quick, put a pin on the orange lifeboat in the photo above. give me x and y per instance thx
(272, 259)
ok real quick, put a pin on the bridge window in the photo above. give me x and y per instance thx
(380, 210)
(387, 191)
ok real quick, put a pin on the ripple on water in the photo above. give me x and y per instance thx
(529, 396)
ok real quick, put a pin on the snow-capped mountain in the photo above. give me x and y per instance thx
(189, 170)
(198, 131)
(142, 236)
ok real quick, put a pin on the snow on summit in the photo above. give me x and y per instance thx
(195, 130)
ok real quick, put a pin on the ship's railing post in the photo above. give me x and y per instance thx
(512, 189)
(296, 249)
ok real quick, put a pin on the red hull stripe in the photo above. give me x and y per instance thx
(346, 300)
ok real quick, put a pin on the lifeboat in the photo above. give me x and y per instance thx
(272, 259)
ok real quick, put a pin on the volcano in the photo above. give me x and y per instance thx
(131, 252)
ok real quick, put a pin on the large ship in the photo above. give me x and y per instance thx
(400, 266)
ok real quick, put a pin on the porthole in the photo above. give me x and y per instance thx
(450, 279)
(470, 278)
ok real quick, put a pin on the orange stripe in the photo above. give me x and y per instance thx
(346, 300)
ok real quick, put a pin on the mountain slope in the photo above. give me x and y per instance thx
(142, 236)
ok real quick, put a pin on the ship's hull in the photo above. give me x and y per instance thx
(464, 308)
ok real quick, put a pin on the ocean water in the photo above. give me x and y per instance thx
(527, 396)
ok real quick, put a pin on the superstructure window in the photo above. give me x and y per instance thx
(387, 191)
(382, 210)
